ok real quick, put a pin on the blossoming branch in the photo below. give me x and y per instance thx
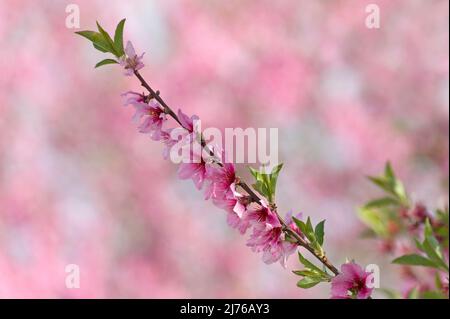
(249, 208)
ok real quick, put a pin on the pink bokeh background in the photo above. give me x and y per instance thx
(79, 185)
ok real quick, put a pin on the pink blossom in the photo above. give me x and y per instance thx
(195, 169)
(132, 98)
(168, 142)
(351, 283)
(153, 112)
(154, 118)
(268, 237)
(258, 213)
(235, 204)
(237, 222)
(221, 178)
(291, 224)
(186, 121)
(130, 60)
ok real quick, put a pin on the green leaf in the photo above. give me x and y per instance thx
(418, 244)
(266, 183)
(300, 224)
(310, 233)
(428, 230)
(109, 42)
(431, 247)
(305, 262)
(305, 273)
(389, 172)
(90, 35)
(414, 260)
(320, 232)
(312, 275)
(273, 178)
(97, 39)
(381, 202)
(276, 170)
(375, 219)
(308, 282)
(313, 268)
(381, 182)
(309, 226)
(433, 252)
(100, 48)
(118, 38)
(254, 172)
(400, 192)
(391, 184)
(105, 62)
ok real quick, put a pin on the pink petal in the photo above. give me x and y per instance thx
(129, 50)
(186, 170)
(239, 209)
(186, 122)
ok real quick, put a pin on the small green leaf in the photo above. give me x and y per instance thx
(274, 174)
(391, 184)
(273, 178)
(432, 248)
(309, 231)
(389, 172)
(381, 182)
(419, 245)
(118, 38)
(97, 39)
(108, 40)
(276, 170)
(309, 226)
(300, 224)
(381, 202)
(90, 35)
(266, 183)
(254, 172)
(400, 192)
(305, 273)
(105, 62)
(428, 230)
(320, 232)
(100, 48)
(376, 219)
(434, 254)
(309, 265)
(414, 260)
(308, 282)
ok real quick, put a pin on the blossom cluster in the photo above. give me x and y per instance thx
(217, 178)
